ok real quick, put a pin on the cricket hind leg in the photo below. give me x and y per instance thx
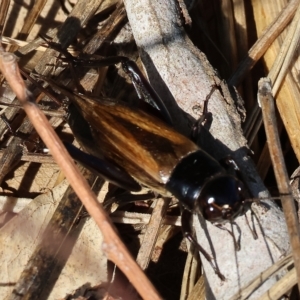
(186, 217)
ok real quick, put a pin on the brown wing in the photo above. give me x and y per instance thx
(143, 145)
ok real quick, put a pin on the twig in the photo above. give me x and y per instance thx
(190, 272)
(151, 234)
(263, 43)
(3, 13)
(266, 102)
(287, 52)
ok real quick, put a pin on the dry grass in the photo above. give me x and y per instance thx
(225, 33)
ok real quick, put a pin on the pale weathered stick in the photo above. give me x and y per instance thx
(114, 248)
(178, 71)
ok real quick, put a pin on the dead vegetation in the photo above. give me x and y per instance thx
(50, 247)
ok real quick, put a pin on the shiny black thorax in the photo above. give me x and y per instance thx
(205, 187)
(190, 175)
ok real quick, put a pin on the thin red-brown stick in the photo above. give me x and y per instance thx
(113, 246)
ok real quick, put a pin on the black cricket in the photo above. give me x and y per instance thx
(129, 147)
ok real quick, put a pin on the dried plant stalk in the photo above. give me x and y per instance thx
(266, 102)
(288, 95)
(29, 22)
(268, 35)
(151, 234)
(4, 5)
